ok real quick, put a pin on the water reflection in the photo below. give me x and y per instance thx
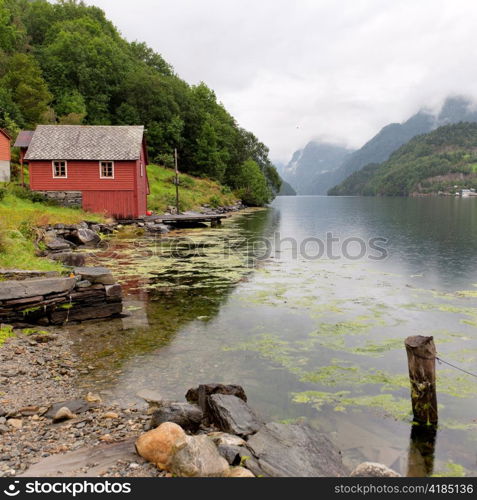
(422, 448)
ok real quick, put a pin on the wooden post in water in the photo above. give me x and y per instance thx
(421, 357)
(176, 181)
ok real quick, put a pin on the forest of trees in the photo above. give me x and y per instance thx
(442, 160)
(65, 63)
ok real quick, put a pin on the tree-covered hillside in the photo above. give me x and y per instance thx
(66, 63)
(441, 161)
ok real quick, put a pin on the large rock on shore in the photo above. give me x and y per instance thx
(85, 236)
(186, 415)
(159, 445)
(10, 290)
(293, 450)
(373, 469)
(197, 456)
(231, 414)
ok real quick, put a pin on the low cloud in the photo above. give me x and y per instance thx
(291, 71)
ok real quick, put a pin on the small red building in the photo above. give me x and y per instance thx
(100, 168)
(4, 156)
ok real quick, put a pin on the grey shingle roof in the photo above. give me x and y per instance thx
(24, 139)
(85, 142)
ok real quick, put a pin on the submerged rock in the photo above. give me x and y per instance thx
(186, 415)
(293, 450)
(197, 456)
(232, 415)
(373, 469)
(153, 398)
(158, 446)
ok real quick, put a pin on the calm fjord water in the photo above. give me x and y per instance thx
(313, 338)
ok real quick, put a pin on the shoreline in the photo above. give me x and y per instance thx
(37, 373)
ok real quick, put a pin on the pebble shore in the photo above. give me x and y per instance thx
(38, 370)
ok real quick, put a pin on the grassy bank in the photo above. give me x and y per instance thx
(19, 218)
(21, 213)
(194, 192)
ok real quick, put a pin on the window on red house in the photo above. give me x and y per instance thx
(60, 169)
(106, 169)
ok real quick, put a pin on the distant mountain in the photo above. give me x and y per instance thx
(286, 189)
(444, 160)
(320, 166)
(314, 159)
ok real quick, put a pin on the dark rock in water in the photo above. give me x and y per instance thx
(296, 450)
(186, 415)
(75, 406)
(231, 414)
(71, 259)
(157, 228)
(233, 454)
(98, 311)
(200, 394)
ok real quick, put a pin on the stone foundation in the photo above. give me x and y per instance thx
(89, 293)
(4, 171)
(65, 198)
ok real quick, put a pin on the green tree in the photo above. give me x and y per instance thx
(28, 88)
(251, 184)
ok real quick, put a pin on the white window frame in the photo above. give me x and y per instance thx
(142, 168)
(101, 169)
(53, 169)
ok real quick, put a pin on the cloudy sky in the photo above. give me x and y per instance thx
(293, 70)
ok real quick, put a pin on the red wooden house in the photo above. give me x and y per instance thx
(4, 156)
(101, 168)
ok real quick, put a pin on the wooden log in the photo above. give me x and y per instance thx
(421, 356)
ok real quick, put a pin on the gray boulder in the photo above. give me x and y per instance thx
(86, 237)
(231, 414)
(186, 415)
(296, 450)
(56, 244)
(197, 456)
(199, 395)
